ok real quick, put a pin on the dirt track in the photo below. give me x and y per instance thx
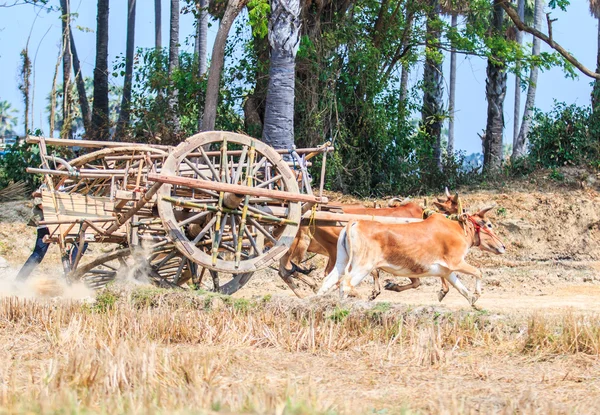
(552, 268)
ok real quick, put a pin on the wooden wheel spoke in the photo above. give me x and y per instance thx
(204, 230)
(262, 230)
(271, 180)
(193, 218)
(165, 259)
(252, 241)
(238, 173)
(209, 163)
(195, 169)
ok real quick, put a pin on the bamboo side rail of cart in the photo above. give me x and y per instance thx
(219, 202)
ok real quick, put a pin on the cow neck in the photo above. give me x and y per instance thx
(472, 231)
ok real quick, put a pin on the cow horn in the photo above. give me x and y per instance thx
(392, 201)
(485, 210)
(447, 192)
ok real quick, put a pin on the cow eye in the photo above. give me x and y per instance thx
(489, 225)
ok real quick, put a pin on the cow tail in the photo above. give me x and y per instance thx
(349, 245)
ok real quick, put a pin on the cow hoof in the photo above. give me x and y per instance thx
(374, 295)
(441, 295)
(389, 285)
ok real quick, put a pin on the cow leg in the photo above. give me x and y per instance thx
(456, 283)
(376, 285)
(445, 288)
(471, 270)
(352, 279)
(392, 286)
(340, 266)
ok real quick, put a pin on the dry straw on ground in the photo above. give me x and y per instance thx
(155, 351)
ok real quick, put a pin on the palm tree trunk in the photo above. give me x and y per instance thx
(124, 114)
(216, 65)
(202, 36)
(67, 65)
(517, 111)
(157, 25)
(433, 89)
(495, 93)
(83, 101)
(519, 147)
(201, 42)
(174, 64)
(596, 90)
(100, 115)
(284, 37)
(452, 97)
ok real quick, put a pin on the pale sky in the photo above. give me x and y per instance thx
(575, 30)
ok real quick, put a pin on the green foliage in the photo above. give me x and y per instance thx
(566, 135)
(258, 14)
(105, 301)
(17, 158)
(339, 314)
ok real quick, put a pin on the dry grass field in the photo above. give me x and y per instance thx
(533, 349)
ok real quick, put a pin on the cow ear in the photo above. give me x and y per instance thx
(483, 211)
(440, 199)
(440, 206)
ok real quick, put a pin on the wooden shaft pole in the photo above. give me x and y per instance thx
(234, 188)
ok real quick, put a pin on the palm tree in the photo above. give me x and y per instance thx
(495, 88)
(520, 144)
(174, 64)
(433, 89)
(517, 110)
(201, 42)
(202, 35)
(157, 24)
(67, 65)
(124, 114)
(216, 64)
(284, 38)
(8, 119)
(100, 112)
(453, 8)
(81, 94)
(595, 11)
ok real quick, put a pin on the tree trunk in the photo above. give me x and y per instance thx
(202, 36)
(517, 111)
(201, 42)
(25, 85)
(100, 115)
(596, 90)
(83, 101)
(433, 89)
(124, 114)
(284, 38)
(404, 83)
(254, 105)
(495, 93)
(157, 25)
(520, 146)
(216, 65)
(67, 65)
(174, 64)
(452, 97)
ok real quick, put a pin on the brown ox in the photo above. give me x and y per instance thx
(435, 247)
(321, 239)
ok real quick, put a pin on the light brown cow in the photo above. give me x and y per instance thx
(435, 247)
(321, 239)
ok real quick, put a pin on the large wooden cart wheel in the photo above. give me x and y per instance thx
(96, 173)
(227, 232)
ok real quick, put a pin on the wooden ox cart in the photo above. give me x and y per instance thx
(219, 202)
